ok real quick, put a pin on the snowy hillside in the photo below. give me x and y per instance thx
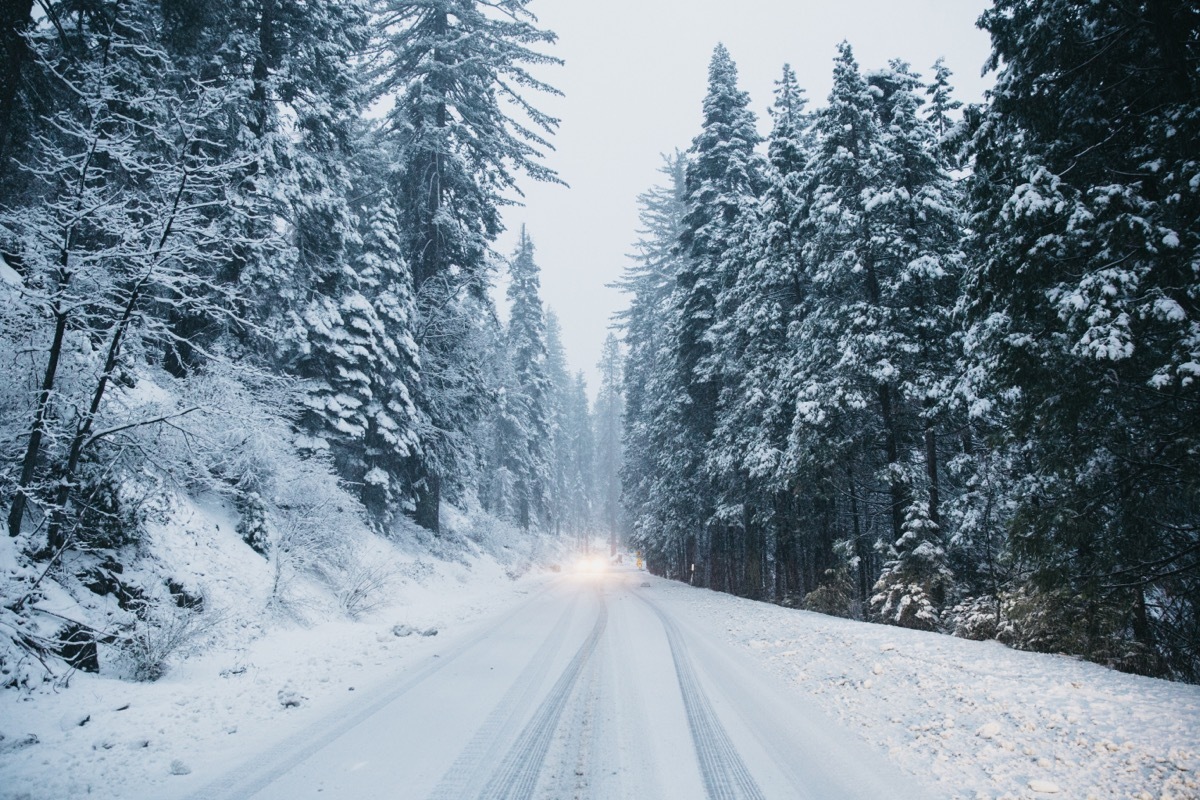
(247, 668)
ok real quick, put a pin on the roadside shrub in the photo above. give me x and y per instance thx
(252, 524)
(916, 579)
(835, 597)
(362, 584)
(160, 634)
(976, 618)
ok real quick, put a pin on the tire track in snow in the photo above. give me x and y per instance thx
(725, 774)
(567, 773)
(517, 776)
(470, 767)
(277, 761)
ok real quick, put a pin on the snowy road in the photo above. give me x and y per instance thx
(597, 687)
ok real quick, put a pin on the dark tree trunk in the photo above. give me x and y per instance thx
(429, 499)
(265, 60)
(865, 579)
(931, 469)
(33, 448)
(896, 489)
(55, 537)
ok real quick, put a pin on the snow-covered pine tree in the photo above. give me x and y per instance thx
(572, 453)
(380, 314)
(846, 436)
(293, 96)
(723, 180)
(950, 132)
(530, 394)
(919, 219)
(500, 436)
(457, 71)
(875, 345)
(610, 408)
(557, 491)
(652, 484)
(756, 409)
(579, 460)
(1082, 301)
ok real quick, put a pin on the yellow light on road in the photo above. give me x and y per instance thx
(591, 564)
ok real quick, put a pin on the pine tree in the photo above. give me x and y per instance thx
(610, 408)
(1082, 304)
(530, 394)
(876, 341)
(942, 103)
(652, 484)
(847, 430)
(293, 98)
(580, 459)
(457, 72)
(560, 381)
(722, 184)
(755, 410)
(380, 314)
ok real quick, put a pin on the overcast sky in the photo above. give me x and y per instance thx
(634, 80)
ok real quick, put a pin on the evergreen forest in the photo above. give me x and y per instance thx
(932, 365)
(887, 356)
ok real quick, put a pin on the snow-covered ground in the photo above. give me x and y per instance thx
(617, 685)
(107, 738)
(975, 719)
(263, 660)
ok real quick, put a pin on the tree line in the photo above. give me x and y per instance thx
(936, 366)
(238, 233)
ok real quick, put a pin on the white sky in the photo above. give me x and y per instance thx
(634, 81)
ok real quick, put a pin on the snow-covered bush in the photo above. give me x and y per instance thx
(108, 508)
(161, 632)
(363, 582)
(1053, 621)
(975, 618)
(315, 524)
(914, 583)
(241, 432)
(252, 526)
(1058, 621)
(836, 596)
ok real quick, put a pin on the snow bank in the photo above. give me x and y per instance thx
(266, 674)
(975, 718)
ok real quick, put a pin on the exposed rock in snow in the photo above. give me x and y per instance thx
(74, 719)
(1044, 787)
(11, 745)
(400, 629)
(988, 731)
